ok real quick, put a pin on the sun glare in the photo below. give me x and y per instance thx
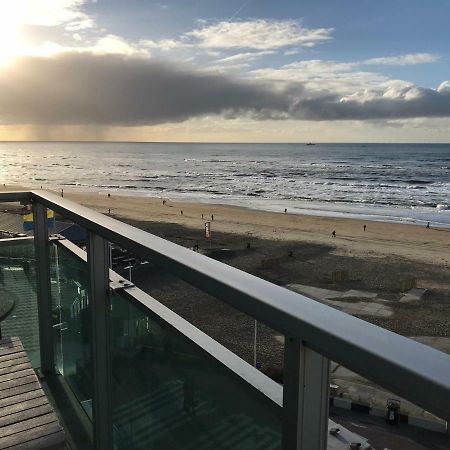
(11, 22)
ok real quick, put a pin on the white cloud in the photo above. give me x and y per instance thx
(246, 57)
(112, 44)
(347, 78)
(404, 60)
(49, 17)
(164, 44)
(105, 45)
(258, 34)
(319, 75)
(82, 23)
(45, 12)
(444, 87)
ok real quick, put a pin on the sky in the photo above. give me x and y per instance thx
(225, 71)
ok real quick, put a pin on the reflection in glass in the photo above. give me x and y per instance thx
(167, 394)
(72, 323)
(18, 296)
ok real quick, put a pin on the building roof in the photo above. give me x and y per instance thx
(12, 225)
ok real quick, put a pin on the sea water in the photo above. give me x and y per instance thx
(389, 182)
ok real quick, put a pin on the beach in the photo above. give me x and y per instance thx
(380, 239)
(367, 273)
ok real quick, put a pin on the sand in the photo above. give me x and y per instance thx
(380, 239)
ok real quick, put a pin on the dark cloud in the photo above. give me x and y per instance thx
(405, 103)
(114, 90)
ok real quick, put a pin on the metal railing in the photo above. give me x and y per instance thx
(314, 333)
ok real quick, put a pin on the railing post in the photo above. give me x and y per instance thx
(43, 288)
(99, 304)
(305, 397)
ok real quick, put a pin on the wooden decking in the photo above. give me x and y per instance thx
(27, 419)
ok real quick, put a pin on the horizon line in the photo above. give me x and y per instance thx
(7, 141)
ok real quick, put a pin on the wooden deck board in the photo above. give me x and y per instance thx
(28, 435)
(13, 348)
(27, 419)
(4, 385)
(54, 441)
(10, 359)
(23, 397)
(19, 390)
(14, 375)
(23, 405)
(15, 368)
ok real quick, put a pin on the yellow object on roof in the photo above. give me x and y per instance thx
(29, 216)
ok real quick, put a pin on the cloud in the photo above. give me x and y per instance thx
(404, 60)
(395, 102)
(255, 34)
(243, 57)
(87, 89)
(115, 90)
(340, 77)
(46, 13)
(315, 74)
(164, 44)
(113, 44)
(258, 34)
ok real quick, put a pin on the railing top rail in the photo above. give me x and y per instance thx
(408, 368)
(14, 196)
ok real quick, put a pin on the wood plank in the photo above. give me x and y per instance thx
(17, 374)
(11, 347)
(15, 399)
(30, 434)
(53, 441)
(17, 382)
(23, 405)
(5, 351)
(20, 389)
(28, 424)
(21, 416)
(7, 358)
(27, 419)
(9, 339)
(15, 368)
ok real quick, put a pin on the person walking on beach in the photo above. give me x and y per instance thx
(333, 234)
(285, 210)
(364, 228)
(212, 217)
(428, 225)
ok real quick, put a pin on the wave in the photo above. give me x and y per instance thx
(419, 181)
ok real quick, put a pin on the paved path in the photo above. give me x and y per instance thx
(345, 301)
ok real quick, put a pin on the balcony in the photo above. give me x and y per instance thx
(126, 372)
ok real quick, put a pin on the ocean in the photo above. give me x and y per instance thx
(388, 182)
